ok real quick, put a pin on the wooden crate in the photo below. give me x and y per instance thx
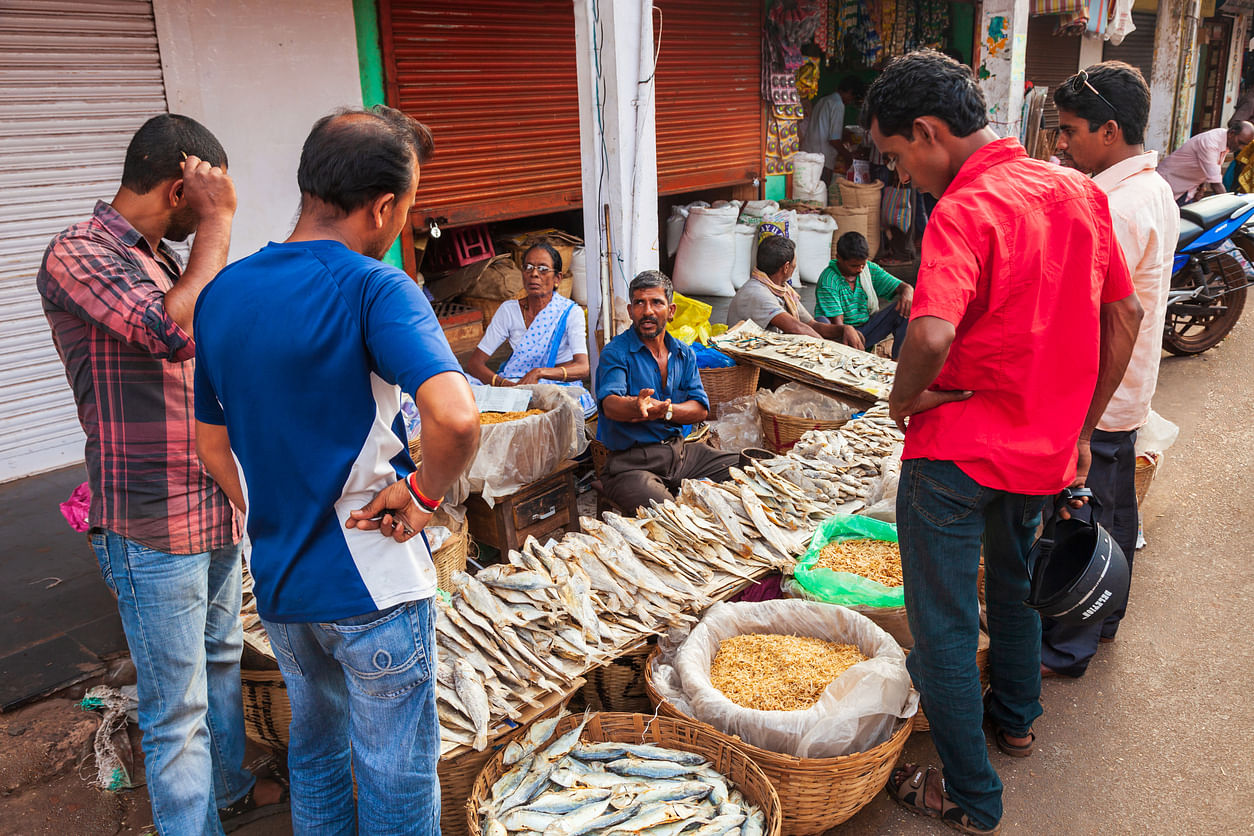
(543, 508)
(463, 325)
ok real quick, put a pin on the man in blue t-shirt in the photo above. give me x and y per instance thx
(303, 350)
(648, 388)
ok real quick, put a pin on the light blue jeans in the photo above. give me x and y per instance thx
(180, 613)
(363, 695)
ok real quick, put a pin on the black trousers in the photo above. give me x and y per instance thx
(654, 471)
(1068, 648)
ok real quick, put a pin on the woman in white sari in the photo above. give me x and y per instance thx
(546, 331)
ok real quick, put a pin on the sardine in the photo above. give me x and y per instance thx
(567, 801)
(647, 768)
(536, 735)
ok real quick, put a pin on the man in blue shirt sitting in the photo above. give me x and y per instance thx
(648, 388)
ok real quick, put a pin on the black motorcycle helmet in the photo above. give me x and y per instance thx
(1078, 573)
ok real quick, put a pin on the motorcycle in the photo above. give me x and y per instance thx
(1210, 272)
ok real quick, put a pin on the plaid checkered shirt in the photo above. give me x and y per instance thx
(131, 368)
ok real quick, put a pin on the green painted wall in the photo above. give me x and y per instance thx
(370, 68)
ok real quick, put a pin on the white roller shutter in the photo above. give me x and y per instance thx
(76, 80)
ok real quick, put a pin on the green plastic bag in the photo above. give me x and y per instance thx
(846, 588)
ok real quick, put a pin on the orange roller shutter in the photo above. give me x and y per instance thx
(709, 108)
(495, 81)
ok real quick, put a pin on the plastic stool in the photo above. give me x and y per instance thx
(461, 247)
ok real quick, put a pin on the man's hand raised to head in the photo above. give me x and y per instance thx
(208, 189)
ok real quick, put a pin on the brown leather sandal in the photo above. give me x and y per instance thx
(1014, 750)
(908, 786)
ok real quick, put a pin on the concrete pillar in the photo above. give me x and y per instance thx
(617, 143)
(1003, 28)
(1166, 80)
(1186, 87)
(1236, 56)
(1091, 50)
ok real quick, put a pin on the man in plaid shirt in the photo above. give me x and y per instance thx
(120, 306)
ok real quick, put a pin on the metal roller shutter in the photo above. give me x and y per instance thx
(495, 80)
(709, 108)
(76, 80)
(1051, 59)
(1137, 48)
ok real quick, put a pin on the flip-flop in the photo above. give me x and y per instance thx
(1012, 749)
(908, 787)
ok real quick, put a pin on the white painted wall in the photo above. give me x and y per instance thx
(1164, 80)
(258, 74)
(1003, 29)
(1236, 55)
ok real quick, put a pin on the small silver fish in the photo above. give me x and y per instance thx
(647, 768)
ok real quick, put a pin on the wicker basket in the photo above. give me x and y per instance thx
(673, 733)
(267, 711)
(618, 685)
(415, 450)
(451, 556)
(728, 383)
(459, 775)
(816, 794)
(781, 431)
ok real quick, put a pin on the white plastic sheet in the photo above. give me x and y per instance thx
(517, 453)
(739, 424)
(856, 712)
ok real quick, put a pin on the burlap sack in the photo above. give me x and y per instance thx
(868, 196)
(855, 219)
(501, 279)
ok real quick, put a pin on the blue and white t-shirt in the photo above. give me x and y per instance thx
(302, 351)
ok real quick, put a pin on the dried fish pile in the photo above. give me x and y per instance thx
(572, 788)
(811, 360)
(877, 560)
(779, 673)
(486, 418)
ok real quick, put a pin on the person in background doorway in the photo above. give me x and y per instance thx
(1023, 321)
(344, 576)
(546, 331)
(1195, 168)
(824, 130)
(648, 388)
(770, 301)
(849, 293)
(119, 302)
(1101, 125)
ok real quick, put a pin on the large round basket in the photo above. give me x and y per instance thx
(672, 733)
(728, 383)
(816, 794)
(781, 431)
(267, 711)
(618, 685)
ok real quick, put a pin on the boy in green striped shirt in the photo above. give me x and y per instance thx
(849, 294)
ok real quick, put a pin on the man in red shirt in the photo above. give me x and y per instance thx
(1023, 320)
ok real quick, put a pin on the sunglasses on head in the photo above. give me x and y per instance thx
(1080, 81)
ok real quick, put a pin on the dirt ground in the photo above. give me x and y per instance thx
(1155, 739)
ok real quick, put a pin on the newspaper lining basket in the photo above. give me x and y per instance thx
(669, 732)
(816, 794)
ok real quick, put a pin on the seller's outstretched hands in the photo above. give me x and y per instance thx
(651, 409)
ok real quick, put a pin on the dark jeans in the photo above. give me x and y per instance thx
(880, 325)
(654, 471)
(942, 517)
(1068, 648)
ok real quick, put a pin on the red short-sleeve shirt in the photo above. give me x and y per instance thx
(1019, 255)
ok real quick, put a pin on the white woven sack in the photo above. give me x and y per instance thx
(814, 245)
(781, 219)
(807, 178)
(760, 208)
(707, 252)
(579, 276)
(675, 225)
(742, 266)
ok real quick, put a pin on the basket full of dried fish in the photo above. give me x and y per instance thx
(824, 721)
(625, 773)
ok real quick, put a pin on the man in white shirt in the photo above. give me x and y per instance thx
(824, 130)
(1108, 142)
(1199, 161)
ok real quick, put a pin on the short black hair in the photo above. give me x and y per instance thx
(651, 278)
(925, 83)
(353, 156)
(157, 148)
(853, 245)
(774, 252)
(852, 84)
(1126, 93)
(551, 250)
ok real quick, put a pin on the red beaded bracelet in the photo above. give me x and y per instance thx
(426, 504)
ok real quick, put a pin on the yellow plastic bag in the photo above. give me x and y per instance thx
(692, 321)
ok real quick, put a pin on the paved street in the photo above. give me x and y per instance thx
(1154, 740)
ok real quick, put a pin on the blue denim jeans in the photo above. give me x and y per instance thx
(942, 517)
(180, 613)
(363, 696)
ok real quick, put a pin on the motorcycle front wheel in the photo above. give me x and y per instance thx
(1201, 323)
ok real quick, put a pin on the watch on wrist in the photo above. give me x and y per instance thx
(670, 411)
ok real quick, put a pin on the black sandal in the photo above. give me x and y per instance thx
(908, 787)
(246, 810)
(1014, 750)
